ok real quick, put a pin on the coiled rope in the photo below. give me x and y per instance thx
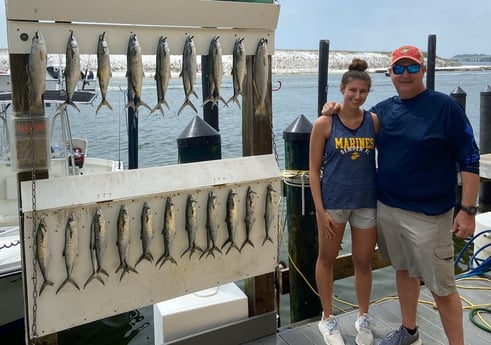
(297, 178)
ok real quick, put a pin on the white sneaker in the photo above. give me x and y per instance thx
(362, 325)
(329, 329)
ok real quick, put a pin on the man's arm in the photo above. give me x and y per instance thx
(465, 223)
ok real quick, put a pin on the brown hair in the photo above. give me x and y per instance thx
(357, 70)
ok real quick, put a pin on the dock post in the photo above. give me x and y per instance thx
(460, 96)
(198, 142)
(302, 234)
(431, 62)
(323, 74)
(485, 145)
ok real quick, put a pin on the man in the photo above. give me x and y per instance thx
(425, 139)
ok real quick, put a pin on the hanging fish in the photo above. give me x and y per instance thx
(215, 72)
(38, 58)
(134, 74)
(191, 225)
(71, 250)
(188, 73)
(98, 247)
(238, 69)
(146, 234)
(250, 217)
(104, 73)
(261, 75)
(123, 241)
(169, 232)
(232, 220)
(162, 73)
(211, 225)
(43, 254)
(269, 213)
(72, 70)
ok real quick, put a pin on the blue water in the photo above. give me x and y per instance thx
(157, 137)
(107, 135)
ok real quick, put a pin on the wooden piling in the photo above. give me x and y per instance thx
(257, 139)
(20, 107)
(431, 62)
(485, 145)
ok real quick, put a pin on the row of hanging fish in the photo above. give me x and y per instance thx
(99, 244)
(135, 73)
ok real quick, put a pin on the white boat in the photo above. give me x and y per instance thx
(54, 79)
(67, 158)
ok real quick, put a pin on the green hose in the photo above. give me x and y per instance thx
(472, 316)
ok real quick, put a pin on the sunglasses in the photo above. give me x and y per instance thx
(398, 69)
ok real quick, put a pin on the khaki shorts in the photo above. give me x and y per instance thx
(420, 244)
(363, 218)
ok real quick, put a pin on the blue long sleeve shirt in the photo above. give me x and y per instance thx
(422, 143)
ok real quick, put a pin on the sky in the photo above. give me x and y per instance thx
(461, 27)
(382, 25)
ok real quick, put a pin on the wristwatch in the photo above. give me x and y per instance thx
(472, 210)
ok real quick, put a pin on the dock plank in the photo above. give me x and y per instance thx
(386, 317)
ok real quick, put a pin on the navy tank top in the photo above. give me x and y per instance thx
(349, 176)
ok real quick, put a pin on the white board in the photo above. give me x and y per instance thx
(81, 195)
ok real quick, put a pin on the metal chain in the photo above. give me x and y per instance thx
(275, 150)
(34, 228)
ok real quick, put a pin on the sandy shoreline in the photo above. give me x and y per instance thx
(283, 61)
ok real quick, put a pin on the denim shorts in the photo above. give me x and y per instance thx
(420, 244)
(363, 218)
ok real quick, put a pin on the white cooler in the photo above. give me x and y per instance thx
(483, 222)
(197, 312)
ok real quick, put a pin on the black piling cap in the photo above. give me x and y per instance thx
(486, 90)
(298, 130)
(198, 132)
(458, 91)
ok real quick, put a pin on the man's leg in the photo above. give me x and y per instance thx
(450, 309)
(408, 292)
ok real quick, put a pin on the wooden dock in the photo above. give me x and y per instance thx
(386, 317)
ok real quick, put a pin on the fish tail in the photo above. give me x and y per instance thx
(247, 241)
(186, 103)
(138, 103)
(158, 107)
(216, 248)
(223, 101)
(68, 280)
(206, 251)
(61, 107)
(208, 100)
(127, 269)
(227, 241)
(261, 109)
(187, 250)
(164, 258)
(121, 266)
(145, 256)
(233, 245)
(70, 102)
(94, 276)
(102, 271)
(104, 102)
(43, 286)
(235, 99)
(267, 238)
